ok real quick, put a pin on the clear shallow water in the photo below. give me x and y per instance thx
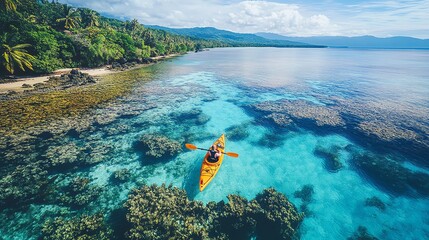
(223, 84)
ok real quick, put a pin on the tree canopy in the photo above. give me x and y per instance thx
(59, 36)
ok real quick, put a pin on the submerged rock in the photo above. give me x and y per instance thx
(306, 193)
(362, 234)
(271, 140)
(392, 176)
(331, 157)
(158, 146)
(375, 202)
(89, 227)
(238, 132)
(74, 78)
(192, 117)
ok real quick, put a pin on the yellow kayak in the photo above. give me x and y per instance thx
(208, 169)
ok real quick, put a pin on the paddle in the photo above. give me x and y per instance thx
(193, 147)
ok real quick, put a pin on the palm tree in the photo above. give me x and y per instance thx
(72, 18)
(9, 5)
(32, 18)
(17, 55)
(93, 19)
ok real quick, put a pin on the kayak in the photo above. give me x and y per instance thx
(209, 170)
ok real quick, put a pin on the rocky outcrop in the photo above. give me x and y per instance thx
(74, 78)
(375, 202)
(362, 233)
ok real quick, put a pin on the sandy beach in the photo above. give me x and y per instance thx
(17, 86)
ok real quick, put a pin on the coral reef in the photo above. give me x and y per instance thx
(375, 202)
(331, 157)
(24, 185)
(192, 117)
(286, 111)
(121, 175)
(280, 219)
(89, 227)
(69, 155)
(400, 126)
(282, 120)
(271, 140)
(166, 212)
(386, 131)
(236, 219)
(392, 176)
(118, 129)
(238, 132)
(158, 146)
(18, 113)
(361, 234)
(63, 155)
(79, 192)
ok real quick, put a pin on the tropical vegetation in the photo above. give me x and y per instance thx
(44, 36)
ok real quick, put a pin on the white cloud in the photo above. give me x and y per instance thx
(326, 18)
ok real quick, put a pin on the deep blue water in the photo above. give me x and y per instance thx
(224, 84)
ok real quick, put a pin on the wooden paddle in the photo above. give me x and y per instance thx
(193, 147)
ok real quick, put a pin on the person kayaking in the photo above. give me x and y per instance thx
(214, 153)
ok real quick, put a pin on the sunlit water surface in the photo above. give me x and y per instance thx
(223, 84)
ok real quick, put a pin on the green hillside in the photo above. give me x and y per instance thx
(41, 36)
(232, 38)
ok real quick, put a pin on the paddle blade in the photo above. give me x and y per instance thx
(190, 146)
(231, 154)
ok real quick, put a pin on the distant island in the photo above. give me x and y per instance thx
(356, 42)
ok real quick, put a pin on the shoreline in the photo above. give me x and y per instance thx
(16, 86)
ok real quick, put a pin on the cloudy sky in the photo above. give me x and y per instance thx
(381, 18)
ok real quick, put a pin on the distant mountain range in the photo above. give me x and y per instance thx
(232, 38)
(276, 40)
(359, 42)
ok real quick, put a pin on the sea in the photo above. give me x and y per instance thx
(299, 118)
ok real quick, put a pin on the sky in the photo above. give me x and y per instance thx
(380, 18)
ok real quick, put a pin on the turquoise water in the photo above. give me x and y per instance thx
(224, 85)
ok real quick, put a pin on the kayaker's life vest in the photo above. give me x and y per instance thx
(212, 156)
